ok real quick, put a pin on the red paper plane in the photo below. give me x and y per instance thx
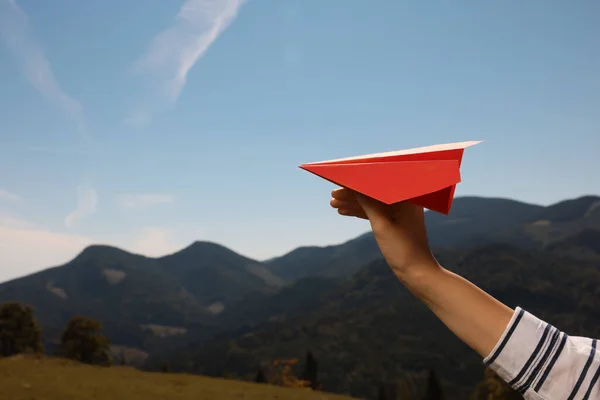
(426, 176)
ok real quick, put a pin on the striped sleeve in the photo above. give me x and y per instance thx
(543, 363)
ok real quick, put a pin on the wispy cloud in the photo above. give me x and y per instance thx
(6, 195)
(87, 201)
(18, 36)
(143, 199)
(174, 51)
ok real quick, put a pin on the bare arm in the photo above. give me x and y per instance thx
(532, 356)
(474, 316)
(470, 313)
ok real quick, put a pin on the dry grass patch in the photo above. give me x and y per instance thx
(58, 379)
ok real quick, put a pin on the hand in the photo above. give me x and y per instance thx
(399, 230)
(474, 316)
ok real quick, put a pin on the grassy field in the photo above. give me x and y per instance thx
(27, 378)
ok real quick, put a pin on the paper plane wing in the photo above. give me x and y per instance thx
(426, 176)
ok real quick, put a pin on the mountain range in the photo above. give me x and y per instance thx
(139, 298)
(210, 310)
(473, 221)
(368, 329)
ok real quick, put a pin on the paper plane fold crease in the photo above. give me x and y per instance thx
(426, 176)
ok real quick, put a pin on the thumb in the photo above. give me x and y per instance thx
(376, 211)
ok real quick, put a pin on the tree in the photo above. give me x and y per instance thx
(19, 331)
(283, 374)
(82, 340)
(387, 391)
(123, 358)
(310, 371)
(494, 388)
(433, 390)
(381, 392)
(165, 367)
(406, 389)
(260, 376)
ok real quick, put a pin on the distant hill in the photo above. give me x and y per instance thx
(585, 244)
(553, 223)
(369, 327)
(332, 261)
(473, 221)
(137, 298)
(216, 275)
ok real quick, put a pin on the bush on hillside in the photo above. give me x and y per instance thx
(82, 340)
(19, 331)
(283, 376)
(492, 387)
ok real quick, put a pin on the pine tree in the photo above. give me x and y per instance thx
(82, 340)
(387, 391)
(165, 367)
(310, 370)
(381, 395)
(434, 387)
(260, 376)
(19, 331)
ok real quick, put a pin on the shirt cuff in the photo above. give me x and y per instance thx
(523, 349)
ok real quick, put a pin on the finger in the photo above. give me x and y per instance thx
(342, 194)
(352, 213)
(336, 203)
(346, 208)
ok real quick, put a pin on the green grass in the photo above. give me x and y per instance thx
(29, 378)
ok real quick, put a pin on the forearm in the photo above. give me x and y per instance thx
(471, 314)
(533, 357)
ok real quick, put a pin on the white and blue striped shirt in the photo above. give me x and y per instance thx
(543, 363)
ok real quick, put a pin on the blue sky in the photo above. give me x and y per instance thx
(148, 124)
